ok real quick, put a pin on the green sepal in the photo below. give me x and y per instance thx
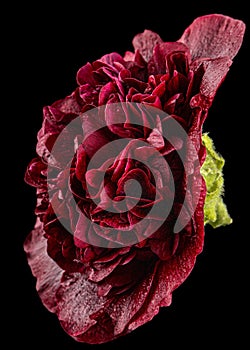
(215, 210)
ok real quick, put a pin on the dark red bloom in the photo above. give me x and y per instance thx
(97, 291)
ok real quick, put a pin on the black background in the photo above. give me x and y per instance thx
(46, 47)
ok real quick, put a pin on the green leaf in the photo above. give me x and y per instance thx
(215, 211)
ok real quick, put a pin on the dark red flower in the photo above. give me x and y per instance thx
(103, 283)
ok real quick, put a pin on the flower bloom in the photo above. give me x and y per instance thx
(97, 291)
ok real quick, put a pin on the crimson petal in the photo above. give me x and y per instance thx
(214, 36)
(145, 43)
(169, 275)
(47, 272)
(215, 72)
(161, 52)
(77, 301)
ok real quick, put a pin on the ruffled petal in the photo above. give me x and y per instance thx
(158, 63)
(47, 272)
(145, 43)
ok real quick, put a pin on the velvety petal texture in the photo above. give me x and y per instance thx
(99, 292)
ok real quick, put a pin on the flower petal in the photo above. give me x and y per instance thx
(36, 173)
(158, 63)
(69, 104)
(214, 36)
(215, 72)
(47, 272)
(78, 300)
(145, 43)
(169, 275)
(111, 58)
